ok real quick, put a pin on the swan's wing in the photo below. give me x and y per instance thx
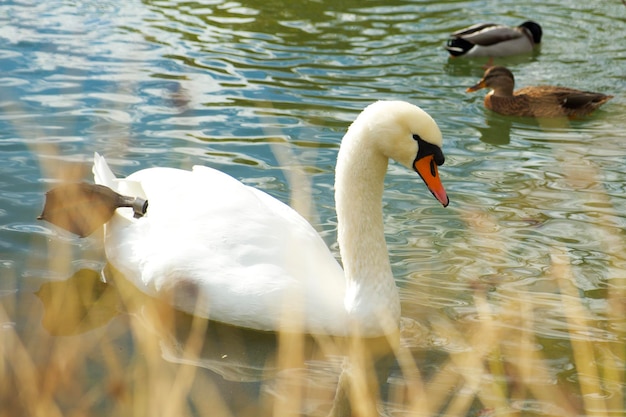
(225, 251)
(104, 176)
(102, 173)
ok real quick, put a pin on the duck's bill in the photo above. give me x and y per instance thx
(476, 87)
(427, 169)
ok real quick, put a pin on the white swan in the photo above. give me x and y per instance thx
(230, 252)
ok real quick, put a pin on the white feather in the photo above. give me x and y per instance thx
(227, 251)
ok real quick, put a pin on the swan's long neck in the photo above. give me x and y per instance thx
(371, 295)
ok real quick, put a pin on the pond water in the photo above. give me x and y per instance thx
(513, 296)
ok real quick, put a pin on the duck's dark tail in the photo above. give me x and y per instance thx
(458, 46)
(583, 103)
(82, 208)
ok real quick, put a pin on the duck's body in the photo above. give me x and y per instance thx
(493, 40)
(223, 250)
(536, 101)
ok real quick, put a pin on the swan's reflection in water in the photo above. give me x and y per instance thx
(252, 372)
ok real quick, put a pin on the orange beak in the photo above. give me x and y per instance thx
(427, 168)
(476, 87)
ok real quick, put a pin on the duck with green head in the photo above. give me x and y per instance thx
(493, 40)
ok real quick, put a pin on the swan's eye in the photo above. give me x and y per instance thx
(417, 138)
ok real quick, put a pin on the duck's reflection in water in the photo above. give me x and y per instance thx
(252, 372)
(497, 130)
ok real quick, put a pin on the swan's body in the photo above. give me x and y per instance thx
(493, 40)
(223, 250)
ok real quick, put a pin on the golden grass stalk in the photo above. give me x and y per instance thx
(582, 347)
(88, 370)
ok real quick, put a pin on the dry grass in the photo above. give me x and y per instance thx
(83, 348)
(96, 349)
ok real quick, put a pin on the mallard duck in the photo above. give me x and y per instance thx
(493, 40)
(217, 248)
(538, 101)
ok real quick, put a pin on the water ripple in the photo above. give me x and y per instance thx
(238, 86)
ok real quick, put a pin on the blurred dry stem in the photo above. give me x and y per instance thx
(96, 351)
(493, 361)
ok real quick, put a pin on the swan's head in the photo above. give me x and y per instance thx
(407, 134)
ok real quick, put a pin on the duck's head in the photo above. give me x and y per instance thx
(534, 30)
(497, 78)
(407, 134)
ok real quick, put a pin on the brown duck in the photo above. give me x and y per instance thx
(538, 101)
